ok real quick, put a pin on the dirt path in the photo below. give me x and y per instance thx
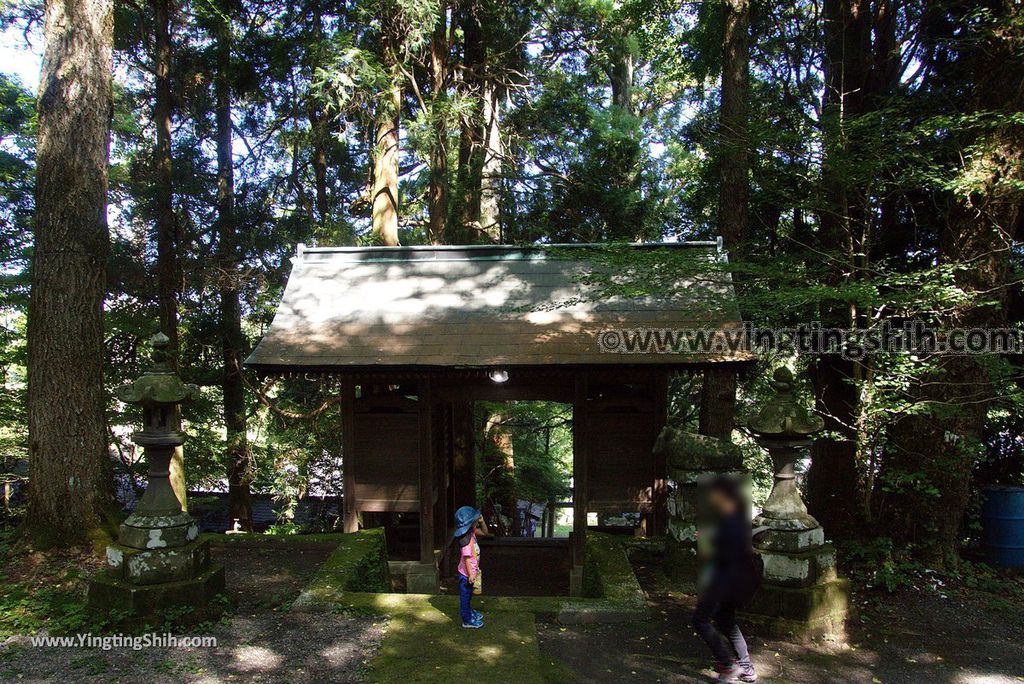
(259, 642)
(933, 635)
(923, 638)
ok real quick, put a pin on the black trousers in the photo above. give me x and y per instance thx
(715, 622)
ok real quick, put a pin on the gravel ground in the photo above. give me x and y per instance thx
(258, 642)
(934, 635)
(927, 636)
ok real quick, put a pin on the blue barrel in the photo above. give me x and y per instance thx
(1002, 521)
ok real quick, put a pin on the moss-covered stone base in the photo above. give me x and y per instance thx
(800, 568)
(109, 593)
(158, 566)
(158, 532)
(682, 565)
(818, 611)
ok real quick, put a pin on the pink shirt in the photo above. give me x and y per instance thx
(472, 552)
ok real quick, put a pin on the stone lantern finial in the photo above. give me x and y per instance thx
(784, 417)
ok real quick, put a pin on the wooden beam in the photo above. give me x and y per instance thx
(441, 439)
(580, 430)
(499, 392)
(659, 503)
(348, 449)
(463, 460)
(426, 472)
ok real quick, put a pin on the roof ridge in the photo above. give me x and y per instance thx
(484, 251)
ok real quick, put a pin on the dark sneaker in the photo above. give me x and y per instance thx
(748, 674)
(476, 623)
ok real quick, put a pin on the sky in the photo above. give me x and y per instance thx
(20, 59)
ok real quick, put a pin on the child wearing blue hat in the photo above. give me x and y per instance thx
(468, 521)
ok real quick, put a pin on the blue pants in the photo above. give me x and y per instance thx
(716, 607)
(465, 597)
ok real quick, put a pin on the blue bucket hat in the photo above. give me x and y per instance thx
(465, 517)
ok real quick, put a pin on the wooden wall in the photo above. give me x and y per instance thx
(386, 447)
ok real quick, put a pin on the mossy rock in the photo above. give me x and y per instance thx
(690, 451)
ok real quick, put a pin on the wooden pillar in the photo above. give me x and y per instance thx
(348, 449)
(659, 517)
(718, 402)
(580, 431)
(442, 479)
(463, 461)
(426, 472)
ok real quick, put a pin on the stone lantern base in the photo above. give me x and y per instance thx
(802, 613)
(802, 597)
(141, 581)
(110, 592)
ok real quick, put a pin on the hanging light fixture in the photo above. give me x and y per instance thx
(498, 375)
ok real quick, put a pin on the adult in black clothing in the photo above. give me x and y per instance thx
(727, 582)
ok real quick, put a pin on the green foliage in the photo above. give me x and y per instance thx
(879, 564)
(52, 598)
(541, 436)
(308, 83)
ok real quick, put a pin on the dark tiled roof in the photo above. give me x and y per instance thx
(436, 307)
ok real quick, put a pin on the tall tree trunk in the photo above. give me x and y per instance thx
(232, 340)
(621, 77)
(438, 191)
(385, 170)
(166, 233)
(318, 128)
(471, 155)
(167, 266)
(68, 447)
(832, 483)
(493, 154)
(718, 392)
(499, 469)
(385, 158)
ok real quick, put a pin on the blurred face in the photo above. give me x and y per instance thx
(721, 503)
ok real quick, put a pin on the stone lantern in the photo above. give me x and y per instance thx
(158, 560)
(801, 594)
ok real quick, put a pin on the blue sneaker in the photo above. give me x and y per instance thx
(477, 615)
(475, 623)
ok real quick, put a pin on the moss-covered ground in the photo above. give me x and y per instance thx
(428, 644)
(932, 632)
(424, 639)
